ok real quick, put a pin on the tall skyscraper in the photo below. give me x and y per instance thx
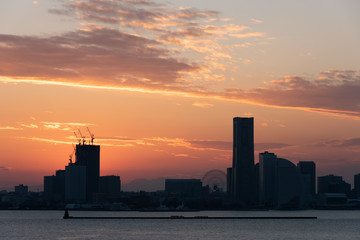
(75, 183)
(357, 185)
(308, 169)
(89, 156)
(229, 181)
(243, 173)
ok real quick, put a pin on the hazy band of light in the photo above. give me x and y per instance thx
(71, 143)
(213, 96)
(130, 89)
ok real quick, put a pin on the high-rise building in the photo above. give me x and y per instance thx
(357, 185)
(89, 156)
(257, 183)
(308, 170)
(267, 178)
(228, 181)
(75, 183)
(243, 173)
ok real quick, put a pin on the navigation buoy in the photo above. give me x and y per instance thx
(66, 214)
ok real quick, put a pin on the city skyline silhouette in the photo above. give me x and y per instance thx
(272, 183)
(157, 83)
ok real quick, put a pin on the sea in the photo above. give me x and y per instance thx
(334, 224)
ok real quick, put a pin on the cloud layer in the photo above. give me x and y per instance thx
(334, 92)
(146, 45)
(2, 168)
(98, 55)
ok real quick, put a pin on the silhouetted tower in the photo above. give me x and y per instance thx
(308, 168)
(357, 185)
(243, 173)
(268, 177)
(89, 156)
(229, 178)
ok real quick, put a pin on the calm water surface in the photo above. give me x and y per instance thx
(341, 225)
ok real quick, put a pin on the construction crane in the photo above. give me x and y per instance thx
(71, 155)
(83, 138)
(91, 135)
(77, 138)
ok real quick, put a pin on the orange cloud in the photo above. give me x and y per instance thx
(203, 105)
(248, 35)
(9, 128)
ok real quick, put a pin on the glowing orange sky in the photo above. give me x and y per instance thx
(158, 84)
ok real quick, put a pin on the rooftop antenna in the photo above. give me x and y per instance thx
(91, 135)
(83, 138)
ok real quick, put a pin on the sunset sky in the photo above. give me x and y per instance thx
(158, 83)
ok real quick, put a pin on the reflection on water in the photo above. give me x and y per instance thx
(50, 225)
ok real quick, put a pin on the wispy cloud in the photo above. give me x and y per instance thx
(160, 142)
(47, 125)
(9, 128)
(248, 35)
(55, 141)
(350, 142)
(3, 168)
(47, 140)
(268, 146)
(64, 126)
(29, 125)
(256, 21)
(334, 92)
(202, 105)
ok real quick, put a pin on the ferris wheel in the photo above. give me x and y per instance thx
(216, 180)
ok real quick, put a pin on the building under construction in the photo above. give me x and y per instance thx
(81, 181)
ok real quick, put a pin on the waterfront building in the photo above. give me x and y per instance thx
(290, 185)
(280, 183)
(75, 183)
(228, 181)
(89, 157)
(357, 185)
(267, 178)
(243, 173)
(54, 187)
(21, 190)
(333, 184)
(110, 184)
(308, 170)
